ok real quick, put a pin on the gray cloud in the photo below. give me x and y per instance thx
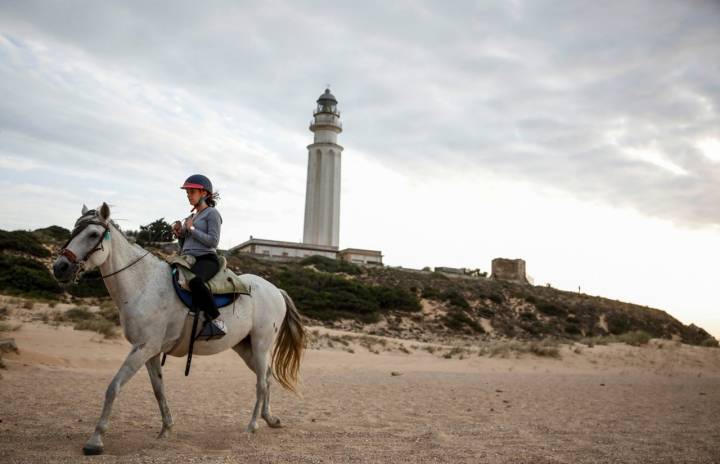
(555, 93)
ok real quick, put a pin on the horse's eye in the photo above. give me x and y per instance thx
(94, 235)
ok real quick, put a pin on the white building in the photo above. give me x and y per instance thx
(284, 250)
(321, 232)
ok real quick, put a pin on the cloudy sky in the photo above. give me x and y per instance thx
(583, 137)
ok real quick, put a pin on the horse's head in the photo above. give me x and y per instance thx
(88, 246)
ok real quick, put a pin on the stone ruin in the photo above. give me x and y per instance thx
(510, 270)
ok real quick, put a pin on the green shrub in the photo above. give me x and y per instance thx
(396, 298)
(455, 298)
(487, 313)
(53, 233)
(328, 297)
(459, 320)
(28, 277)
(22, 241)
(431, 293)
(550, 309)
(618, 323)
(496, 298)
(572, 329)
(325, 264)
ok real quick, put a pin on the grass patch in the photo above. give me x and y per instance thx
(83, 319)
(505, 348)
(109, 311)
(455, 351)
(77, 314)
(101, 326)
(634, 338)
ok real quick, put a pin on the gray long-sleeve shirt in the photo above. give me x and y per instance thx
(206, 236)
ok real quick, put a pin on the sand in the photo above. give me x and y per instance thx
(615, 403)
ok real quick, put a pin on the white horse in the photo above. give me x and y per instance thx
(152, 318)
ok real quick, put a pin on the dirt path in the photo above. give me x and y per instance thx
(605, 404)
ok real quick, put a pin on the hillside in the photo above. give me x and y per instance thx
(394, 302)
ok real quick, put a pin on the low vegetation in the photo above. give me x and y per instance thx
(24, 276)
(83, 319)
(378, 300)
(324, 264)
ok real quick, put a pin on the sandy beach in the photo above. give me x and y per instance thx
(612, 403)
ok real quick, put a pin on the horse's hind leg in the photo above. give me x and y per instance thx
(271, 420)
(244, 349)
(155, 371)
(257, 358)
(134, 361)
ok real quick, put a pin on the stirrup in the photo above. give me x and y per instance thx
(212, 330)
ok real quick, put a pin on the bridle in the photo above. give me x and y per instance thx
(80, 225)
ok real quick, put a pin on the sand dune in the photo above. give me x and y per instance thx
(614, 403)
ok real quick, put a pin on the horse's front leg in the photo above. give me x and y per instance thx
(138, 356)
(155, 371)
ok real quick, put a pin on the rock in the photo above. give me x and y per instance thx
(8, 345)
(395, 373)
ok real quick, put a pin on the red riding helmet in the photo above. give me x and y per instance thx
(198, 181)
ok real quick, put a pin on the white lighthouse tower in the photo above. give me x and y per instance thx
(322, 196)
(321, 234)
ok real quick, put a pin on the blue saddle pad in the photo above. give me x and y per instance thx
(223, 299)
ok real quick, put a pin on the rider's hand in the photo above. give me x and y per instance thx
(188, 223)
(177, 228)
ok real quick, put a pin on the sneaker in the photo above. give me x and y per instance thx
(213, 330)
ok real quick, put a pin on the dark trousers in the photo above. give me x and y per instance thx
(205, 268)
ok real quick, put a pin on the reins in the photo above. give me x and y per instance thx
(117, 272)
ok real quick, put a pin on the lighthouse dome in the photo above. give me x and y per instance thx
(327, 99)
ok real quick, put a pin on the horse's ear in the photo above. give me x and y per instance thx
(84, 210)
(105, 211)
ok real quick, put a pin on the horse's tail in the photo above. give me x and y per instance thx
(289, 347)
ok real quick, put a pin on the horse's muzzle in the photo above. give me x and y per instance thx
(64, 270)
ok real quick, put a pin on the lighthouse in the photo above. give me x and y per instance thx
(322, 194)
(321, 233)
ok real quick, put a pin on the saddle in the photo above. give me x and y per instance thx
(224, 282)
(225, 286)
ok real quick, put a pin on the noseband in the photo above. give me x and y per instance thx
(81, 225)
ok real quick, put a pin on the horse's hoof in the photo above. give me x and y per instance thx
(274, 423)
(92, 450)
(252, 428)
